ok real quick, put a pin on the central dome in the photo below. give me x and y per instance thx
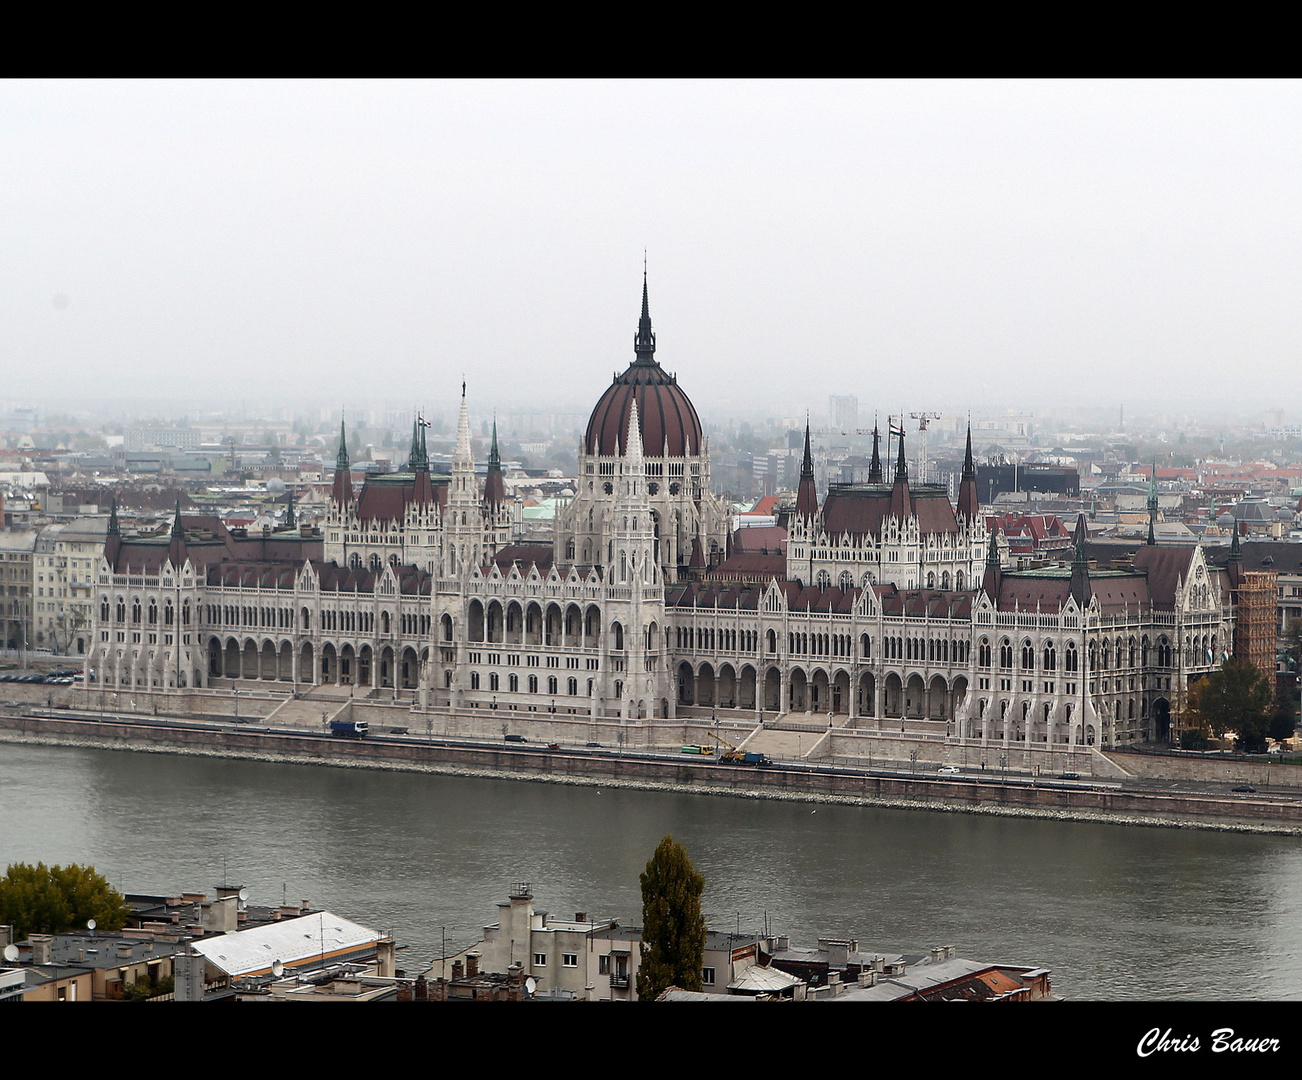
(669, 421)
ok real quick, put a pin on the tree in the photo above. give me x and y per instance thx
(673, 928)
(1236, 698)
(56, 899)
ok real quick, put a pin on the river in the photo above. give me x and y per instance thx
(1117, 912)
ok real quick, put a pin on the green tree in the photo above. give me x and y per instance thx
(56, 899)
(1236, 698)
(673, 928)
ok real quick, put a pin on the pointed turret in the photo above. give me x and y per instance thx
(413, 455)
(901, 500)
(644, 341)
(1152, 505)
(113, 541)
(464, 487)
(990, 582)
(176, 545)
(494, 486)
(634, 451)
(1080, 567)
(290, 523)
(969, 505)
(1235, 564)
(342, 492)
(807, 492)
(875, 469)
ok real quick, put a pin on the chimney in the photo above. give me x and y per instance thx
(580, 916)
(42, 945)
(125, 949)
(6, 936)
(937, 955)
(422, 988)
(458, 971)
(472, 965)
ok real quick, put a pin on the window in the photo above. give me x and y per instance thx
(603, 964)
(539, 959)
(569, 959)
(707, 976)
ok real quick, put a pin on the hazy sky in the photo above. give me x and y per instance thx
(925, 245)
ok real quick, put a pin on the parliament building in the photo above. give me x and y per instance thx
(889, 605)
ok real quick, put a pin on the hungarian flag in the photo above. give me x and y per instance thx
(422, 421)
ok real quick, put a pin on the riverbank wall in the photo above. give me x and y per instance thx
(611, 767)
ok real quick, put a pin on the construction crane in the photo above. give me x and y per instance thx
(923, 419)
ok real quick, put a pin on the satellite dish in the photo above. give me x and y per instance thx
(244, 895)
(11, 953)
(277, 968)
(531, 984)
(91, 924)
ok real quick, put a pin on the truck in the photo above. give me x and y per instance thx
(349, 729)
(747, 757)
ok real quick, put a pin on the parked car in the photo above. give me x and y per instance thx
(1069, 776)
(948, 770)
(1246, 788)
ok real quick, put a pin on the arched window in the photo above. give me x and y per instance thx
(983, 652)
(1050, 656)
(1028, 655)
(1070, 661)
(1005, 654)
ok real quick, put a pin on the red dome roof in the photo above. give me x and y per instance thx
(669, 422)
(666, 413)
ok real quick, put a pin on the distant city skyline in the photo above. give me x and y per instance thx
(930, 245)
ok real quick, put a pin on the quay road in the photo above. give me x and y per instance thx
(1204, 804)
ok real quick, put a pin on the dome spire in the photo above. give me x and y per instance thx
(644, 341)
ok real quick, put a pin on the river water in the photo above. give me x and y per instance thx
(1117, 912)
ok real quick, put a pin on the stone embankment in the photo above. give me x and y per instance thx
(460, 753)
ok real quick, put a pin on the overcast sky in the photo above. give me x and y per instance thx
(933, 245)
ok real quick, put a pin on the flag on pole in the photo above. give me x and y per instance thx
(897, 429)
(422, 421)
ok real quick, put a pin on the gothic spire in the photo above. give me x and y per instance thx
(494, 487)
(807, 492)
(901, 500)
(413, 457)
(113, 528)
(290, 523)
(969, 502)
(1080, 567)
(1152, 505)
(875, 469)
(644, 341)
(341, 460)
(990, 581)
(176, 546)
(342, 492)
